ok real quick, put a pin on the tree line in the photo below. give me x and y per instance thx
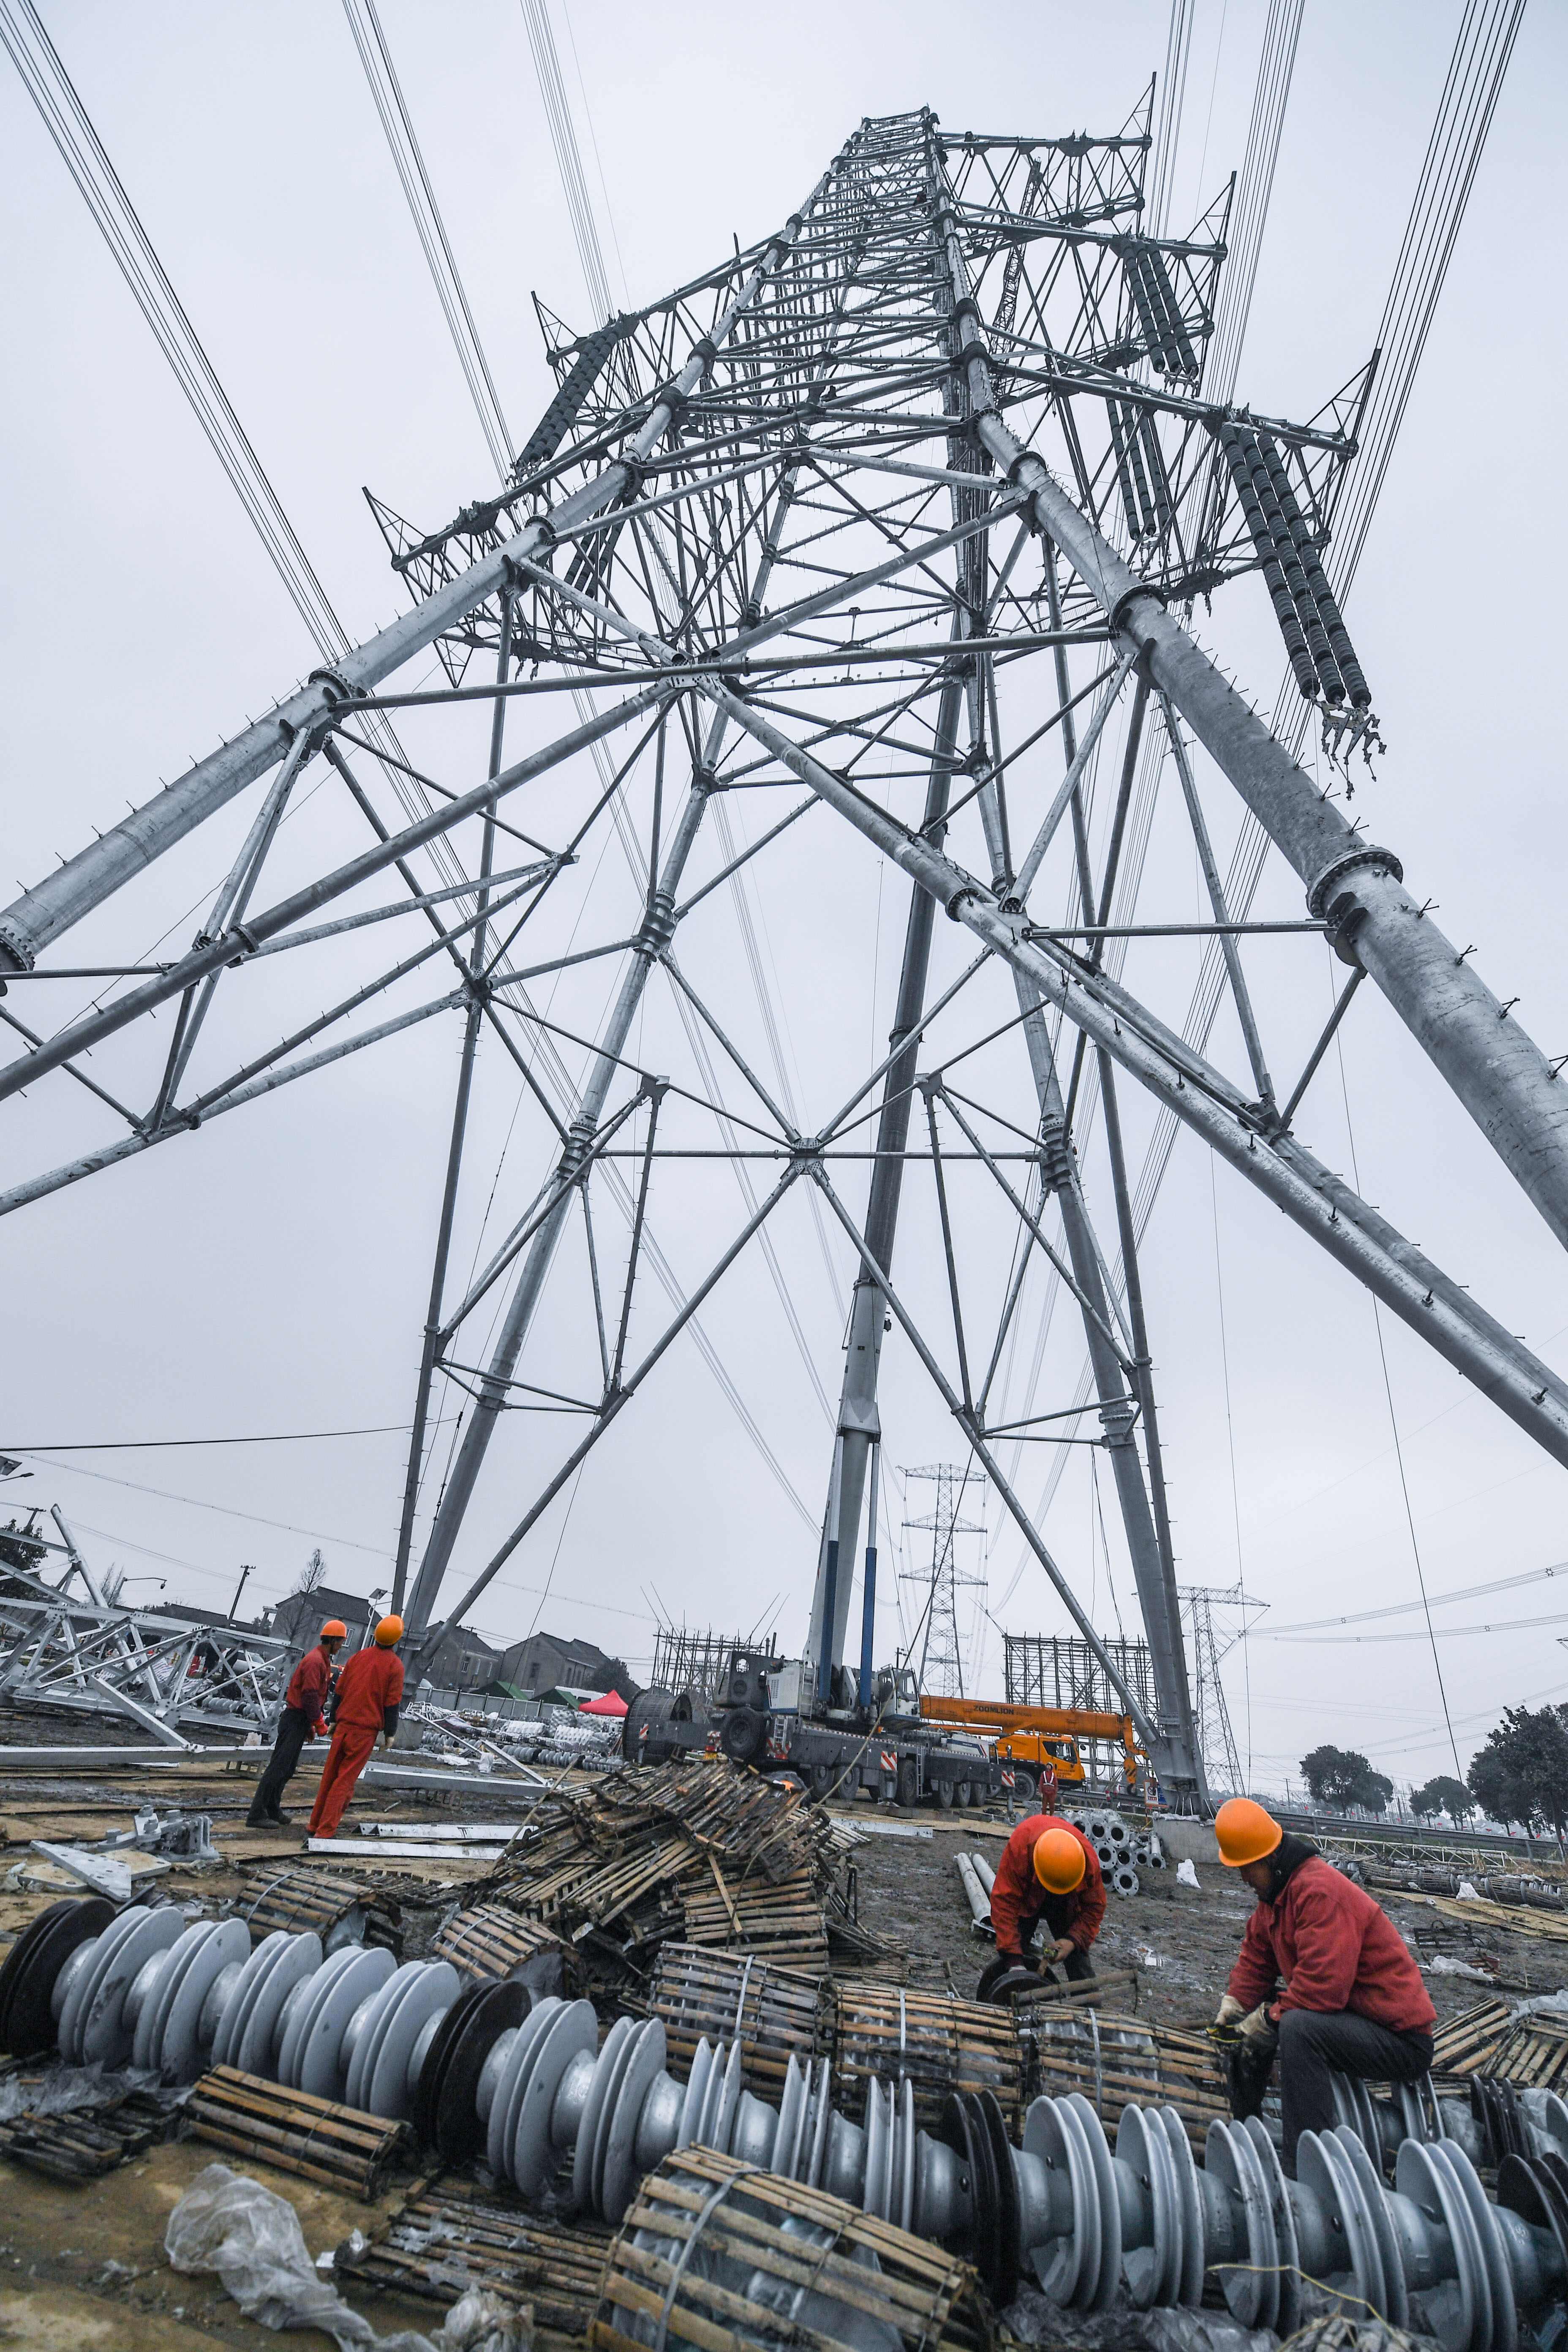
(1520, 1778)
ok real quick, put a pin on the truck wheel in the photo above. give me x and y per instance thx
(822, 1778)
(743, 1734)
(945, 1794)
(962, 1793)
(908, 1780)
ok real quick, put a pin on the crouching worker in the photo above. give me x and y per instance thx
(1048, 1872)
(304, 1717)
(1352, 1998)
(364, 1705)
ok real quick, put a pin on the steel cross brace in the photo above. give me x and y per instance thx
(1362, 1240)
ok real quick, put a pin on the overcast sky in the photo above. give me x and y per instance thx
(270, 1274)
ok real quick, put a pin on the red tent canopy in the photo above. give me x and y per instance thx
(608, 1703)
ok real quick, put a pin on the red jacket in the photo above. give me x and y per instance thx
(1017, 1899)
(1336, 1949)
(369, 1684)
(308, 1686)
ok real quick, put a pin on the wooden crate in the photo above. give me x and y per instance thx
(774, 2013)
(307, 1899)
(339, 2146)
(1118, 2062)
(765, 2247)
(943, 2045)
(492, 1940)
(780, 1921)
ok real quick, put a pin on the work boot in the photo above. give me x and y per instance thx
(256, 1821)
(280, 1820)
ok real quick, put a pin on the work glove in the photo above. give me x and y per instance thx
(1230, 2012)
(1257, 2025)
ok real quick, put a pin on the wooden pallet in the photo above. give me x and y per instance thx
(759, 2242)
(943, 2045)
(492, 1940)
(1465, 2043)
(339, 2146)
(438, 2246)
(1117, 2062)
(1534, 2053)
(775, 2013)
(90, 2141)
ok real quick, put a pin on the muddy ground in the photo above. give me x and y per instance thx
(1181, 1942)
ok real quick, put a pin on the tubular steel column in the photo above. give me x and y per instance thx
(1152, 1568)
(859, 1427)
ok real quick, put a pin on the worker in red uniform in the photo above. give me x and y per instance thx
(1352, 1997)
(364, 1706)
(1048, 1872)
(304, 1717)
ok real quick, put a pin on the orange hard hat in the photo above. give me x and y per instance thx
(1060, 1862)
(334, 1626)
(1246, 1833)
(390, 1630)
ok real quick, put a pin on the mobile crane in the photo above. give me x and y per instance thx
(1034, 1739)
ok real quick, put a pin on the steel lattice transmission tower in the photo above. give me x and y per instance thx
(890, 526)
(1211, 1715)
(941, 1665)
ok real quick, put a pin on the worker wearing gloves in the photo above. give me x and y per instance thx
(304, 1717)
(364, 1706)
(1352, 1997)
(1048, 1872)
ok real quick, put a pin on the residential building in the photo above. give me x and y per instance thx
(545, 1660)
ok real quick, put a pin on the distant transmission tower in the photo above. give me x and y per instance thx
(942, 1654)
(1211, 1716)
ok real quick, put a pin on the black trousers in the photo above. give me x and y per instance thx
(1053, 1917)
(293, 1731)
(1314, 2042)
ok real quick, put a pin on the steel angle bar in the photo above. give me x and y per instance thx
(1362, 1240)
(988, 1462)
(615, 1403)
(37, 1187)
(85, 881)
(1496, 1069)
(1070, 781)
(217, 953)
(1019, 1208)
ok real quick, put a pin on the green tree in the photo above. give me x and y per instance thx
(1339, 1777)
(1522, 1773)
(1443, 1795)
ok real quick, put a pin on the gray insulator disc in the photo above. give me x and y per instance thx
(103, 2038)
(573, 2031)
(616, 2176)
(499, 2130)
(178, 2051)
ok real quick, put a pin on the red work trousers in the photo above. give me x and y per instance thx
(346, 1758)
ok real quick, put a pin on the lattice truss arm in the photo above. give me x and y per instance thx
(784, 540)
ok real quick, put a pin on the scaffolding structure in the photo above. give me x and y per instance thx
(1056, 1670)
(686, 1660)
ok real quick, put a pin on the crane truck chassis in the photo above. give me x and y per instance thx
(764, 1717)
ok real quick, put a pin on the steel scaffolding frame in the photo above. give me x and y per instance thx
(854, 417)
